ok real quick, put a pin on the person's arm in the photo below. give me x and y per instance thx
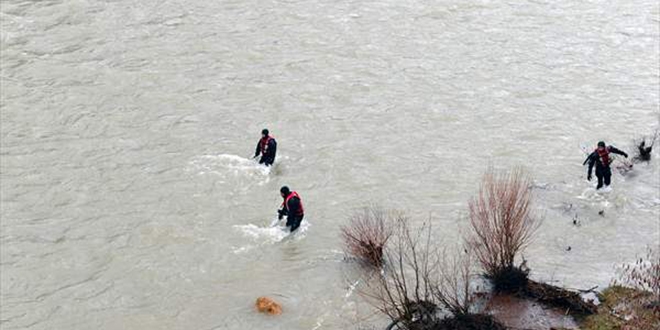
(281, 212)
(592, 161)
(617, 151)
(256, 152)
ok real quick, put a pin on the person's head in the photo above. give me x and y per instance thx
(284, 191)
(601, 145)
(264, 132)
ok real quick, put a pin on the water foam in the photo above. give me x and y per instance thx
(276, 232)
(226, 164)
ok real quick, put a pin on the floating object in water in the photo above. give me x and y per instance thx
(644, 151)
(268, 306)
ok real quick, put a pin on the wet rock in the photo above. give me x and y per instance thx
(268, 306)
(576, 221)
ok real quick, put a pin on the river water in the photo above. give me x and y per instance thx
(128, 200)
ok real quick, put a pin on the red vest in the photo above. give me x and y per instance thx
(604, 155)
(285, 204)
(264, 143)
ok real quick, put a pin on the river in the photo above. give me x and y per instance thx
(128, 200)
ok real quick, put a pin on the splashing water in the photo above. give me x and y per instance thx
(274, 233)
(225, 164)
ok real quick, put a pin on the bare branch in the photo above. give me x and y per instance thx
(366, 235)
(501, 219)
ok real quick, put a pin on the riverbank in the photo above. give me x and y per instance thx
(624, 308)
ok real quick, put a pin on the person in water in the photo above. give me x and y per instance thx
(267, 147)
(292, 207)
(601, 158)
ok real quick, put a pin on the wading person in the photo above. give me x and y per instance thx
(292, 207)
(601, 158)
(267, 147)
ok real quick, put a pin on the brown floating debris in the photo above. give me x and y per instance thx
(268, 306)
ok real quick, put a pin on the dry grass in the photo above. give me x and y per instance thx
(643, 275)
(634, 298)
(366, 235)
(623, 308)
(501, 220)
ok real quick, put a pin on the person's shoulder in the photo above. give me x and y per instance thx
(615, 150)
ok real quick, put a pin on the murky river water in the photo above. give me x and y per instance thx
(128, 201)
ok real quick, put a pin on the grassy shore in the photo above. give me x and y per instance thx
(624, 308)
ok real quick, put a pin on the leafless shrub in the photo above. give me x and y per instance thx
(501, 221)
(403, 291)
(640, 307)
(421, 287)
(452, 285)
(366, 235)
(643, 275)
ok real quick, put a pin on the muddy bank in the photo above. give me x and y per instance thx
(519, 313)
(515, 281)
(571, 302)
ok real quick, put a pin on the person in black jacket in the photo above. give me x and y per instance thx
(292, 207)
(601, 158)
(267, 147)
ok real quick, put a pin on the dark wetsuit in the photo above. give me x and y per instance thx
(294, 213)
(603, 171)
(268, 152)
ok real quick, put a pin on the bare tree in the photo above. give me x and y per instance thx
(501, 221)
(502, 226)
(452, 286)
(422, 286)
(402, 291)
(366, 235)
